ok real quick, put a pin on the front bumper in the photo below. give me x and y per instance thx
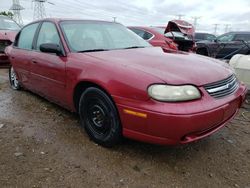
(179, 123)
(4, 60)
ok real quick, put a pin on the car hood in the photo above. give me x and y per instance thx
(172, 68)
(8, 35)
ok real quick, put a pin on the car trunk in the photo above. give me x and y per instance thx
(182, 33)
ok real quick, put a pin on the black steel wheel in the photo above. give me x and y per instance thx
(14, 83)
(99, 117)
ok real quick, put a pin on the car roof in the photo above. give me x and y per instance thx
(238, 32)
(71, 19)
(146, 28)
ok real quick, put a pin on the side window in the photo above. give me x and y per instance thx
(47, 34)
(26, 36)
(138, 32)
(226, 38)
(210, 37)
(244, 37)
(147, 35)
(143, 34)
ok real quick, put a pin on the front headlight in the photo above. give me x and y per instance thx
(170, 93)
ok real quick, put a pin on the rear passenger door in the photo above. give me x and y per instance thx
(22, 53)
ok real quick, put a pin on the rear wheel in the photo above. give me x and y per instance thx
(14, 83)
(202, 51)
(99, 117)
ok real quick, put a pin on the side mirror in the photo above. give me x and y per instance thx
(216, 40)
(51, 48)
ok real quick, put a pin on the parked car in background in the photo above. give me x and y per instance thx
(241, 64)
(155, 37)
(8, 30)
(178, 35)
(122, 86)
(225, 46)
(199, 36)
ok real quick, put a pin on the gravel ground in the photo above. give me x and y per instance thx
(42, 145)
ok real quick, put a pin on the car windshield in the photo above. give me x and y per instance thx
(8, 24)
(87, 36)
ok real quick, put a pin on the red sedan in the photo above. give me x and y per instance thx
(122, 86)
(155, 37)
(8, 30)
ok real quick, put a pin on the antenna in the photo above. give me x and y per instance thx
(16, 8)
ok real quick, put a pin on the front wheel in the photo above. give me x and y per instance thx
(99, 117)
(14, 83)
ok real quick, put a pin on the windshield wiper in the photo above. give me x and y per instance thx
(92, 50)
(132, 47)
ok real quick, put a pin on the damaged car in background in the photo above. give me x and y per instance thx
(8, 31)
(178, 35)
(122, 86)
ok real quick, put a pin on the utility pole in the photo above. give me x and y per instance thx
(227, 27)
(39, 9)
(196, 18)
(114, 19)
(179, 16)
(16, 8)
(215, 28)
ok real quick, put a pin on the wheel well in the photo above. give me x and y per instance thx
(202, 51)
(80, 88)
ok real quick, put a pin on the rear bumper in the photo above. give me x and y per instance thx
(173, 129)
(4, 60)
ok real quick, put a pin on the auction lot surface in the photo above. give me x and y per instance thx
(42, 145)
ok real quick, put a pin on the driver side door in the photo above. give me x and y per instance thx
(47, 69)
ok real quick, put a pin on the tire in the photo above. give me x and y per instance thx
(202, 51)
(99, 117)
(14, 83)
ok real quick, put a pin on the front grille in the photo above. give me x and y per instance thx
(223, 88)
(3, 45)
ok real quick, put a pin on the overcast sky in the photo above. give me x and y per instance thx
(148, 12)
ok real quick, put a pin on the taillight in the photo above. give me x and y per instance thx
(4, 44)
(172, 45)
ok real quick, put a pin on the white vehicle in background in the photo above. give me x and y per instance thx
(241, 64)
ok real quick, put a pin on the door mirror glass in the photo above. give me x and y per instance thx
(51, 48)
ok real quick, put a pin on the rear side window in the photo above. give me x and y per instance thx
(244, 37)
(210, 37)
(26, 37)
(226, 38)
(143, 34)
(48, 34)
